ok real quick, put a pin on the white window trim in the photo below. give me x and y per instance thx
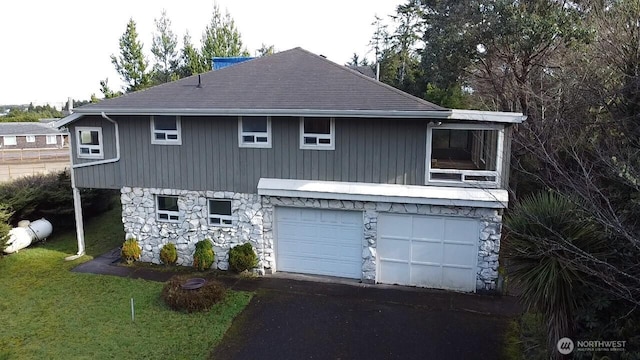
(90, 147)
(4, 140)
(219, 216)
(463, 173)
(54, 137)
(331, 136)
(241, 135)
(170, 214)
(178, 132)
(30, 138)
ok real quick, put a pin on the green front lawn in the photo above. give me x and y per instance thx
(48, 312)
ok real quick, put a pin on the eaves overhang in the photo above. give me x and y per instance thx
(464, 115)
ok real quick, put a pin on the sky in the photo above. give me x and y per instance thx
(55, 49)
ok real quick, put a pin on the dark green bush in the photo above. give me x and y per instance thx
(201, 299)
(169, 254)
(203, 256)
(242, 258)
(131, 250)
(5, 214)
(50, 196)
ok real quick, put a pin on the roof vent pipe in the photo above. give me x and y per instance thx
(199, 81)
(378, 71)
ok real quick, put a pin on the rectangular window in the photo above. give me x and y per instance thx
(52, 139)
(317, 133)
(254, 131)
(460, 153)
(220, 213)
(165, 130)
(89, 142)
(167, 208)
(9, 140)
(30, 138)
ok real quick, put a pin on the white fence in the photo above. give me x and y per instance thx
(33, 155)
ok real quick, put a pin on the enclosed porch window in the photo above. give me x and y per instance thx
(460, 153)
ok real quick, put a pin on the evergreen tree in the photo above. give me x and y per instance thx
(131, 64)
(221, 38)
(164, 49)
(191, 61)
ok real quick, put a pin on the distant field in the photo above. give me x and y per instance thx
(16, 170)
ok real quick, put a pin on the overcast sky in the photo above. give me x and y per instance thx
(53, 49)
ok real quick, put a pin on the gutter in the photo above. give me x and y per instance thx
(445, 114)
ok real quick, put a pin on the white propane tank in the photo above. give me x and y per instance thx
(21, 237)
(41, 229)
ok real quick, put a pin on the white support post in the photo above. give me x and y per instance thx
(77, 209)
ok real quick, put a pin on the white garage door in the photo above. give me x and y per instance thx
(314, 241)
(429, 251)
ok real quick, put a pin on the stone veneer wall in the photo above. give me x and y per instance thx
(139, 219)
(253, 222)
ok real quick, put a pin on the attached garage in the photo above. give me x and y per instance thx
(428, 251)
(319, 241)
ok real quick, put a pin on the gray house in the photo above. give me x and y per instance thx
(322, 169)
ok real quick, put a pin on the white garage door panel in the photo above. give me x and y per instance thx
(314, 241)
(430, 251)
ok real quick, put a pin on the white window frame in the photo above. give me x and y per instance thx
(177, 132)
(317, 146)
(30, 138)
(172, 216)
(225, 220)
(497, 174)
(242, 134)
(49, 141)
(98, 147)
(13, 142)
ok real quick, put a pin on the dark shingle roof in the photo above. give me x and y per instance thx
(27, 128)
(294, 79)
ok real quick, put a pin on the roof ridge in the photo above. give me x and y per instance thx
(377, 82)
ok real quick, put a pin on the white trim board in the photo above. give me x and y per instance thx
(408, 194)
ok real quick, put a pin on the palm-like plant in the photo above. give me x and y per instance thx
(547, 236)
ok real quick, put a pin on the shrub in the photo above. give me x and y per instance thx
(5, 214)
(203, 256)
(131, 250)
(50, 196)
(169, 254)
(242, 258)
(543, 234)
(201, 299)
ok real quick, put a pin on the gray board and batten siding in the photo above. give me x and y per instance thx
(387, 151)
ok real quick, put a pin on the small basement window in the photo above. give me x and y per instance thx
(220, 213)
(165, 130)
(254, 131)
(167, 208)
(317, 133)
(89, 142)
(461, 153)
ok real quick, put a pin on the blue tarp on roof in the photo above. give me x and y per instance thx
(222, 62)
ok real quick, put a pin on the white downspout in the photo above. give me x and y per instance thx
(77, 201)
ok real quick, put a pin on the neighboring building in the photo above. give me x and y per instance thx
(322, 169)
(31, 135)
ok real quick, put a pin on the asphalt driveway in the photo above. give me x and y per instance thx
(292, 319)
